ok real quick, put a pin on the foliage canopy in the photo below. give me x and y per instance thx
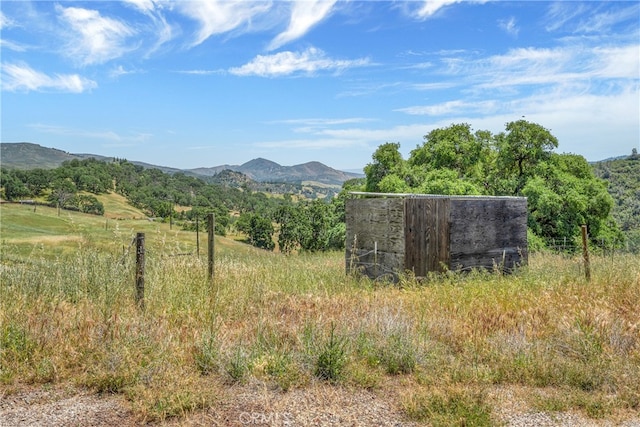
(562, 190)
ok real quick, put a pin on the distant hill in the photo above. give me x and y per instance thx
(623, 176)
(264, 170)
(24, 155)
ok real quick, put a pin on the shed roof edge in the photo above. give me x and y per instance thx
(432, 196)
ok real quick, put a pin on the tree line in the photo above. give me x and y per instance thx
(308, 225)
(562, 190)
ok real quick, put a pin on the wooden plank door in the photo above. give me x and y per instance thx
(426, 235)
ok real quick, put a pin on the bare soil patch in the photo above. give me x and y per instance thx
(254, 404)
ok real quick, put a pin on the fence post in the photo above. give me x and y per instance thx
(211, 228)
(585, 254)
(140, 270)
(197, 237)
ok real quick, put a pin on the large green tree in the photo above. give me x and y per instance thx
(563, 192)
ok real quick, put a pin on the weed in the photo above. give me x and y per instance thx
(282, 369)
(206, 354)
(16, 345)
(332, 358)
(238, 365)
(399, 354)
(449, 407)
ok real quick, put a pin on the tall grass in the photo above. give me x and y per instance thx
(292, 320)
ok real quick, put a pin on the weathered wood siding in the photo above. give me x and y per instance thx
(375, 236)
(488, 232)
(426, 235)
(390, 235)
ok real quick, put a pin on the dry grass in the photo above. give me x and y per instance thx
(270, 318)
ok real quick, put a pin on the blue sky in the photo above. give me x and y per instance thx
(202, 83)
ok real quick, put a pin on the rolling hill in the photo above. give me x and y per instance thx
(24, 155)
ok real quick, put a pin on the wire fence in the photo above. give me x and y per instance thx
(599, 247)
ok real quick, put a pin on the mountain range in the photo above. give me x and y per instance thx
(25, 155)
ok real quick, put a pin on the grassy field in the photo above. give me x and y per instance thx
(67, 314)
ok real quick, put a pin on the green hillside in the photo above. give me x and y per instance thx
(623, 177)
(24, 155)
(45, 232)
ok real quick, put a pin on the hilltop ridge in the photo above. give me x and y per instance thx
(26, 155)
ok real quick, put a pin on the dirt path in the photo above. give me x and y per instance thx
(253, 405)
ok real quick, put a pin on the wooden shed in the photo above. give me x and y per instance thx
(389, 234)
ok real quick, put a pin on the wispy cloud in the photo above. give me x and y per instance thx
(16, 47)
(318, 125)
(286, 63)
(201, 72)
(220, 16)
(602, 22)
(509, 26)
(433, 86)
(571, 65)
(304, 15)
(428, 8)
(113, 138)
(163, 31)
(451, 107)
(4, 21)
(93, 38)
(366, 138)
(586, 18)
(20, 77)
(325, 121)
(121, 71)
(560, 13)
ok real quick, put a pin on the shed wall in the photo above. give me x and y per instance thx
(375, 236)
(387, 236)
(488, 232)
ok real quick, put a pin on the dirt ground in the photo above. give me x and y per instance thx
(255, 405)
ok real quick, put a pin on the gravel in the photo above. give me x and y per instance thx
(253, 404)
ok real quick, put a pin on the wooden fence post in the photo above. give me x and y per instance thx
(140, 270)
(211, 228)
(197, 237)
(585, 254)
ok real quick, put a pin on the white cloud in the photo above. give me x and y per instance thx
(220, 16)
(5, 22)
(201, 72)
(145, 6)
(577, 65)
(162, 29)
(21, 77)
(560, 13)
(509, 26)
(617, 62)
(16, 47)
(304, 15)
(589, 18)
(116, 139)
(121, 71)
(450, 107)
(323, 121)
(429, 8)
(285, 63)
(94, 39)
